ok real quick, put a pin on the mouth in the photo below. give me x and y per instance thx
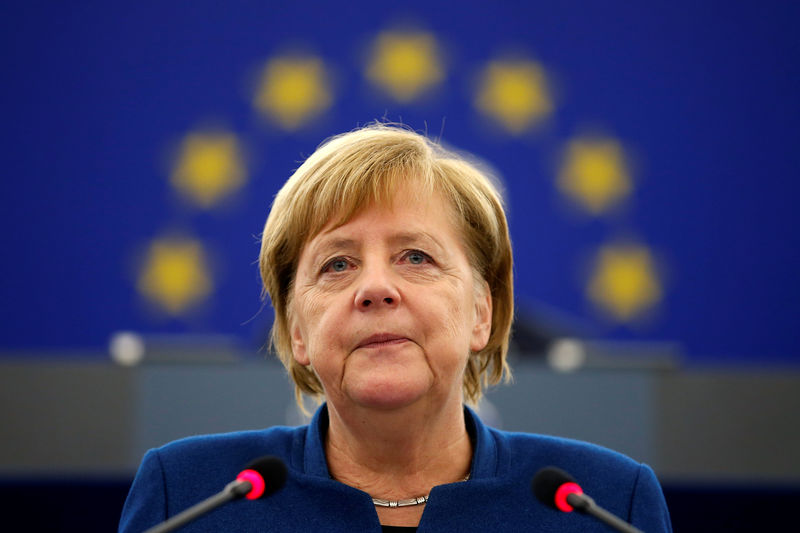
(380, 340)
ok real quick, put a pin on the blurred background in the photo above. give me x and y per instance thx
(648, 155)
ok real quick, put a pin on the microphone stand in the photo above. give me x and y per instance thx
(232, 491)
(585, 505)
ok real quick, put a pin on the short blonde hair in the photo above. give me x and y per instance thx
(356, 169)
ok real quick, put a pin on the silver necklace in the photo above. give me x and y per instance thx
(378, 502)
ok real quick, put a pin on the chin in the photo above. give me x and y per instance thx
(387, 396)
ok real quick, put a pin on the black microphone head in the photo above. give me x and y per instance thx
(546, 483)
(272, 469)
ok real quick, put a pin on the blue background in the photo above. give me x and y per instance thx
(704, 94)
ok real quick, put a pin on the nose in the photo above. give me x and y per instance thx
(376, 289)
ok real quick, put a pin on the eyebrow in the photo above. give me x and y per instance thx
(329, 245)
(326, 246)
(414, 237)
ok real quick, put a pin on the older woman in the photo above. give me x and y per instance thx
(389, 266)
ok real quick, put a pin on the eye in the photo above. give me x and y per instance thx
(337, 264)
(415, 257)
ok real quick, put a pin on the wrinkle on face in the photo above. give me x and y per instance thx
(440, 303)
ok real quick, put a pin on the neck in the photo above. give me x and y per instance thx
(401, 453)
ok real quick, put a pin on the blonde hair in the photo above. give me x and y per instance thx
(356, 169)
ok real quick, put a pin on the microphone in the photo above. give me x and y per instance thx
(261, 477)
(555, 488)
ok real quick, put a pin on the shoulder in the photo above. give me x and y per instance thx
(219, 453)
(565, 453)
(627, 487)
(594, 467)
(175, 476)
(515, 455)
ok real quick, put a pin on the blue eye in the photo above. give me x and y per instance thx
(416, 257)
(336, 265)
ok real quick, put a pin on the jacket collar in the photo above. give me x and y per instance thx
(485, 459)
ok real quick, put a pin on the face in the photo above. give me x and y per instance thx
(386, 308)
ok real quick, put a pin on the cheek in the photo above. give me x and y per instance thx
(309, 302)
(317, 322)
(454, 317)
(456, 320)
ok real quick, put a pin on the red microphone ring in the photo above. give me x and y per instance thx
(565, 490)
(255, 480)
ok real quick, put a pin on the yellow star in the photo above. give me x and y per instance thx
(292, 90)
(175, 275)
(514, 93)
(624, 282)
(594, 174)
(405, 64)
(209, 166)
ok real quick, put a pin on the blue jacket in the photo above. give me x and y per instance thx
(496, 498)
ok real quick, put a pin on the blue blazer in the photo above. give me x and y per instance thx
(496, 498)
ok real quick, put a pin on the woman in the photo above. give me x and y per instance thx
(389, 266)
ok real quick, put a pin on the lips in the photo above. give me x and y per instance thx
(380, 340)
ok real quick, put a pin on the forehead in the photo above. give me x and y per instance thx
(406, 217)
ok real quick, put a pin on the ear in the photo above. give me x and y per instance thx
(482, 328)
(299, 346)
